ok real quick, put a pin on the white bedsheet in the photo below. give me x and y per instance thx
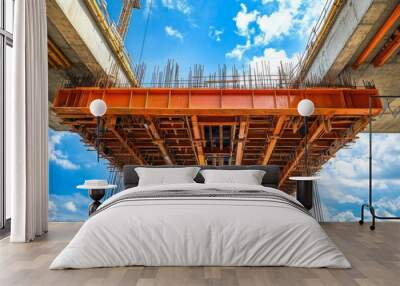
(200, 231)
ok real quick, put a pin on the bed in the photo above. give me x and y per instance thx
(201, 224)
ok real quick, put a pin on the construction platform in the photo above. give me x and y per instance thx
(157, 126)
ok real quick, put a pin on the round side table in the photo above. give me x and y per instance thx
(304, 193)
(96, 195)
(96, 190)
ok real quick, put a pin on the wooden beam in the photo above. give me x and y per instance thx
(296, 123)
(198, 142)
(243, 129)
(390, 48)
(315, 131)
(274, 139)
(221, 137)
(56, 57)
(232, 137)
(386, 27)
(111, 126)
(217, 151)
(327, 124)
(217, 123)
(159, 141)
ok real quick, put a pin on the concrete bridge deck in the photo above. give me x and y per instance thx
(363, 41)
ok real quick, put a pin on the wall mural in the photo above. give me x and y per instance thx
(343, 186)
(241, 33)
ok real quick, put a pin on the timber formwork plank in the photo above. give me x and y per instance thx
(274, 138)
(158, 140)
(197, 138)
(218, 127)
(243, 131)
(125, 143)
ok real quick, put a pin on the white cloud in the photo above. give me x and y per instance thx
(52, 205)
(238, 51)
(149, 3)
(170, 31)
(389, 204)
(343, 217)
(311, 14)
(340, 197)
(349, 170)
(274, 25)
(179, 5)
(243, 19)
(274, 58)
(56, 155)
(384, 213)
(344, 180)
(215, 33)
(70, 206)
(52, 208)
(289, 18)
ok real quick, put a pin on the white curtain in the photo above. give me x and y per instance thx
(27, 121)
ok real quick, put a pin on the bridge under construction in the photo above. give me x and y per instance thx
(201, 126)
(245, 118)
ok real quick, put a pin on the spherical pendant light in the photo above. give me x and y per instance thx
(98, 107)
(305, 107)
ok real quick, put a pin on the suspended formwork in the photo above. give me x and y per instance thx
(190, 126)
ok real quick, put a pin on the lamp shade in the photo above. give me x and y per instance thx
(305, 107)
(98, 107)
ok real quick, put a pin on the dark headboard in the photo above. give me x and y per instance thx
(271, 177)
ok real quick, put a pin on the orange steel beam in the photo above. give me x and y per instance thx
(158, 140)
(216, 102)
(315, 131)
(243, 129)
(197, 138)
(378, 37)
(275, 136)
(388, 50)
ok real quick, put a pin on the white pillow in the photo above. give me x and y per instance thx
(166, 176)
(248, 177)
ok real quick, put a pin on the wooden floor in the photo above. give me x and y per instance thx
(375, 257)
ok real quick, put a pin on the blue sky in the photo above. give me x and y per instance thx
(234, 33)
(219, 31)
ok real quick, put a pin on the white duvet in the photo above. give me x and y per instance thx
(200, 231)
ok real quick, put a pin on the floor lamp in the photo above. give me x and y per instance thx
(98, 108)
(305, 183)
(306, 108)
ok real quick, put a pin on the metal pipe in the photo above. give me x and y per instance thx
(378, 37)
(387, 52)
(315, 46)
(306, 145)
(114, 42)
(370, 149)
